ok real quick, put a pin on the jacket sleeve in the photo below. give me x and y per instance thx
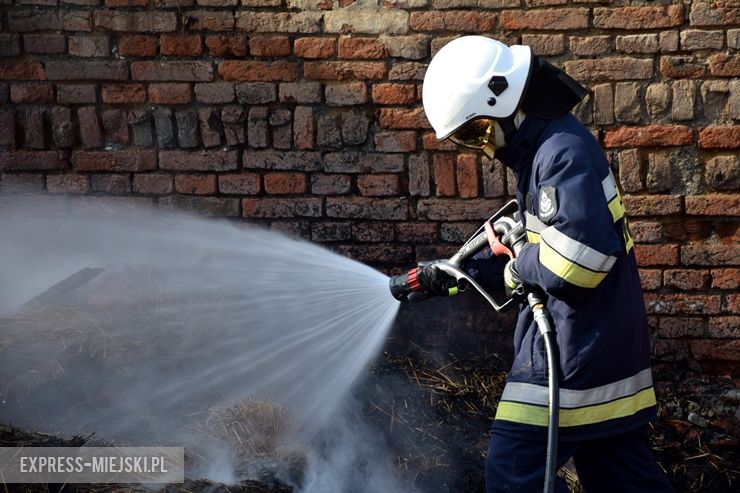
(573, 241)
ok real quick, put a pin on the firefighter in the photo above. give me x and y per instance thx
(503, 101)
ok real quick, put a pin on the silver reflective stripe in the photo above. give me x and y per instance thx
(533, 222)
(609, 186)
(529, 393)
(576, 251)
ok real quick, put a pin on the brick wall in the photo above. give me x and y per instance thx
(305, 115)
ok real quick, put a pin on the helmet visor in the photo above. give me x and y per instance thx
(475, 134)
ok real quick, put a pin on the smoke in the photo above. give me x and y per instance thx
(142, 326)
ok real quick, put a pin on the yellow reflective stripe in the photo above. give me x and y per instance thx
(570, 271)
(533, 237)
(616, 208)
(537, 415)
(577, 252)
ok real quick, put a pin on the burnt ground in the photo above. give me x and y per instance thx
(434, 413)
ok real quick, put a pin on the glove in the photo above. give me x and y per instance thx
(436, 282)
(512, 280)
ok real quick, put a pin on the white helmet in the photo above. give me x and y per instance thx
(473, 77)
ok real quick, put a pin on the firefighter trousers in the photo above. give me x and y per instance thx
(619, 464)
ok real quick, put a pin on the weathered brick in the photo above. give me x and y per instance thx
(76, 93)
(268, 46)
(373, 232)
(285, 183)
(724, 137)
(648, 136)
(143, 22)
(695, 39)
(712, 205)
(180, 45)
(591, 45)
(723, 65)
(372, 162)
(282, 22)
(86, 69)
(341, 70)
(679, 67)
(280, 160)
(134, 160)
(716, 351)
(419, 178)
(126, 3)
(115, 126)
(304, 92)
(550, 19)
(62, 128)
(493, 180)
(31, 93)
(209, 160)
(331, 231)
(172, 71)
(378, 185)
(10, 44)
(638, 17)
(141, 127)
(367, 21)
(195, 184)
(653, 255)
(668, 41)
(725, 278)
(710, 255)
(638, 43)
(402, 118)
(652, 205)
(686, 279)
(257, 126)
(457, 210)
(684, 97)
(417, 232)
(170, 93)
(346, 93)
(630, 170)
(226, 45)
(378, 253)
(444, 175)
(718, 98)
(123, 93)
(724, 327)
(207, 206)
(90, 132)
(288, 207)
(187, 128)
(675, 304)
(89, 46)
(152, 183)
(46, 44)
(215, 92)
(658, 98)
(413, 47)
(315, 47)
(722, 173)
(406, 71)
(113, 184)
(49, 20)
(709, 13)
(672, 327)
(650, 279)
(33, 160)
(137, 45)
(247, 70)
(256, 92)
(545, 44)
(603, 104)
(628, 102)
(660, 175)
(466, 171)
(367, 208)
(209, 20)
(163, 128)
(395, 141)
(22, 183)
(67, 183)
(22, 69)
(304, 128)
(733, 38)
(392, 93)
(363, 48)
(233, 118)
(333, 184)
(211, 129)
(610, 69)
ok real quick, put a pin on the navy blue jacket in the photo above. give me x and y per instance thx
(581, 253)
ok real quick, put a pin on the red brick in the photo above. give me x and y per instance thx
(373, 232)
(176, 44)
(712, 205)
(710, 255)
(365, 48)
(378, 253)
(304, 127)
(713, 350)
(591, 45)
(395, 141)
(549, 19)
(22, 69)
(467, 175)
(209, 20)
(733, 303)
(152, 183)
(269, 45)
(674, 327)
(402, 118)
(723, 65)
(685, 279)
(610, 69)
(115, 161)
(638, 17)
(195, 184)
(247, 70)
(235, 45)
(417, 232)
(282, 160)
(696, 39)
(444, 174)
(48, 20)
(33, 160)
(123, 93)
(170, 93)
(652, 205)
(206, 206)
(545, 44)
(648, 136)
(31, 93)
(430, 142)
(650, 279)
(331, 231)
(650, 255)
(378, 185)
(67, 183)
(457, 210)
(682, 304)
(45, 43)
(682, 67)
(239, 184)
(275, 208)
(367, 208)
(714, 13)
(390, 93)
(172, 71)
(646, 231)
(137, 45)
(725, 278)
(91, 134)
(285, 183)
(454, 20)
(155, 22)
(22, 183)
(126, 3)
(198, 160)
(333, 184)
(315, 47)
(344, 70)
(725, 137)
(724, 327)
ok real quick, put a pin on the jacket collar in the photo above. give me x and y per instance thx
(519, 152)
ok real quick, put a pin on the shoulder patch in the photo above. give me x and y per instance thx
(548, 203)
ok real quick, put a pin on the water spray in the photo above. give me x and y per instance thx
(504, 233)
